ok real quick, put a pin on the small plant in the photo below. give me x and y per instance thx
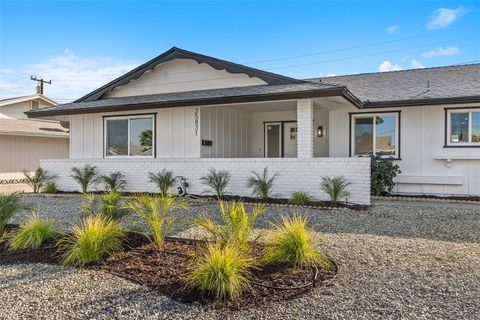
(300, 198)
(88, 206)
(164, 180)
(335, 187)
(262, 185)
(223, 271)
(85, 176)
(10, 205)
(50, 187)
(33, 234)
(155, 211)
(114, 181)
(383, 171)
(37, 179)
(96, 238)
(292, 243)
(236, 227)
(112, 206)
(217, 180)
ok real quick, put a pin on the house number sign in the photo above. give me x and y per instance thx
(195, 120)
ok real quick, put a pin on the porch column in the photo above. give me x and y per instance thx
(305, 128)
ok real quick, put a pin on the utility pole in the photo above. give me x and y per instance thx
(41, 82)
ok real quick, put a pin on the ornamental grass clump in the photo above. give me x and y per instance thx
(300, 198)
(261, 184)
(33, 234)
(112, 205)
(293, 244)
(50, 187)
(115, 181)
(222, 271)
(217, 181)
(10, 205)
(236, 227)
(163, 179)
(95, 239)
(155, 212)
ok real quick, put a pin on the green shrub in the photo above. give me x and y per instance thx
(236, 226)
(112, 205)
(50, 187)
(33, 234)
(37, 179)
(383, 171)
(292, 243)
(89, 205)
(262, 185)
(164, 180)
(223, 271)
(85, 176)
(335, 187)
(96, 238)
(114, 181)
(155, 211)
(10, 205)
(217, 180)
(300, 198)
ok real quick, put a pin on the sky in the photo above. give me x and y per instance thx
(81, 45)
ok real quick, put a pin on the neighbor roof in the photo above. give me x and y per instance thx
(451, 83)
(9, 101)
(200, 97)
(32, 128)
(177, 53)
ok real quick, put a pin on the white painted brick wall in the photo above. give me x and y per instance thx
(294, 174)
(305, 128)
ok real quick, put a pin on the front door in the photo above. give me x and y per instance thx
(273, 140)
(290, 139)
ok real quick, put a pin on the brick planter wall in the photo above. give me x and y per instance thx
(294, 174)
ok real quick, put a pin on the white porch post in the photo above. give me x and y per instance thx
(305, 128)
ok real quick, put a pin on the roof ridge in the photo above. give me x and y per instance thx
(395, 71)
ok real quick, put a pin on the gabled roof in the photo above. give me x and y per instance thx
(177, 53)
(9, 101)
(200, 97)
(459, 83)
(15, 127)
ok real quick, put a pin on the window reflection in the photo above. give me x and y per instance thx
(141, 137)
(364, 136)
(117, 137)
(459, 127)
(385, 135)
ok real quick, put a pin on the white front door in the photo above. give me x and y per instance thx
(290, 139)
(273, 140)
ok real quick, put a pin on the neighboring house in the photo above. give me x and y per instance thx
(24, 142)
(189, 112)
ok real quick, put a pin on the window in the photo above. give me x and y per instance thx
(463, 127)
(35, 104)
(129, 136)
(375, 134)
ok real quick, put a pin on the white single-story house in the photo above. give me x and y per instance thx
(23, 142)
(189, 112)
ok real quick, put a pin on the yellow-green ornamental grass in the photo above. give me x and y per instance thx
(33, 234)
(293, 244)
(96, 238)
(222, 271)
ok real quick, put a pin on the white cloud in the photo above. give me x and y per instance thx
(392, 29)
(72, 76)
(438, 52)
(388, 66)
(325, 75)
(442, 17)
(417, 64)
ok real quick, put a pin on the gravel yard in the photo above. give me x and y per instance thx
(395, 262)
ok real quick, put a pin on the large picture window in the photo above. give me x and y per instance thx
(129, 136)
(375, 134)
(463, 127)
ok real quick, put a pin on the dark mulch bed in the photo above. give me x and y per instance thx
(165, 271)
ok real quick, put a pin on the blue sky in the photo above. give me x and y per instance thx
(82, 45)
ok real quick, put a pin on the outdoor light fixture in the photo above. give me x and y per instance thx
(320, 132)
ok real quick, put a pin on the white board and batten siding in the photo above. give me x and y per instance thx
(427, 167)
